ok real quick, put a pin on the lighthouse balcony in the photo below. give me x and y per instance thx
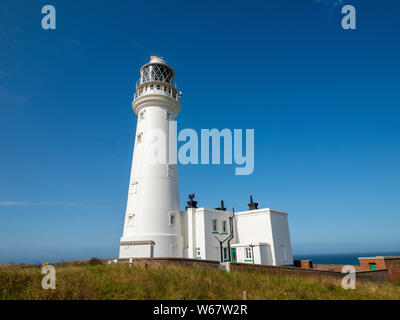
(159, 88)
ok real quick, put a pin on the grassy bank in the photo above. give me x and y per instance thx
(124, 282)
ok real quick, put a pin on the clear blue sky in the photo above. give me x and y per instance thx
(324, 103)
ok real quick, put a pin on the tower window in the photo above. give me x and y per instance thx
(130, 219)
(198, 252)
(134, 186)
(141, 115)
(171, 218)
(214, 226)
(167, 115)
(139, 137)
(158, 87)
(165, 88)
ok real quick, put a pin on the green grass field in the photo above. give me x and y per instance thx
(136, 282)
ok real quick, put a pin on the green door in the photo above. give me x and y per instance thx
(233, 251)
(372, 266)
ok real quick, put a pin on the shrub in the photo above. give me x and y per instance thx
(94, 261)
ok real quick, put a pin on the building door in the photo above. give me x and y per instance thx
(233, 251)
(372, 266)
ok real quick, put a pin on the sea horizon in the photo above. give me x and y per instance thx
(317, 258)
(342, 258)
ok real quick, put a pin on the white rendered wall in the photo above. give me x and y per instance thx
(267, 230)
(281, 238)
(153, 191)
(200, 233)
(265, 226)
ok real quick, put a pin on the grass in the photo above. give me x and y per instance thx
(97, 281)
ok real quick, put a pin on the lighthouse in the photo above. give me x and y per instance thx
(152, 226)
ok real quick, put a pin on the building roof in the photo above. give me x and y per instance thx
(379, 258)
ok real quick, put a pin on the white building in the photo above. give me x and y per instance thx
(154, 224)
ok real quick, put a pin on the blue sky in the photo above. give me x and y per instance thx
(323, 101)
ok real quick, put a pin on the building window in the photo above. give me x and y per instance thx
(249, 253)
(142, 114)
(214, 226)
(224, 228)
(225, 254)
(165, 88)
(167, 115)
(158, 87)
(171, 218)
(198, 252)
(151, 87)
(134, 186)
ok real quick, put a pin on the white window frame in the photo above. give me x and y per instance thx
(224, 226)
(214, 225)
(134, 186)
(171, 218)
(248, 253)
(130, 222)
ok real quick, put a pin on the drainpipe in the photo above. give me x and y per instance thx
(227, 239)
(231, 220)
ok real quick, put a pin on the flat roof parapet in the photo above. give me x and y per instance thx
(379, 257)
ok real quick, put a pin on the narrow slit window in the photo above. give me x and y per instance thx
(134, 186)
(139, 137)
(130, 221)
(171, 218)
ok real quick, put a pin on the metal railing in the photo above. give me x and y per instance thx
(172, 94)
(171, 83)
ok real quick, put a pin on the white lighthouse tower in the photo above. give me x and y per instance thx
(152, 225)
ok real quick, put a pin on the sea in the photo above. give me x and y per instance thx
(342, 258)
